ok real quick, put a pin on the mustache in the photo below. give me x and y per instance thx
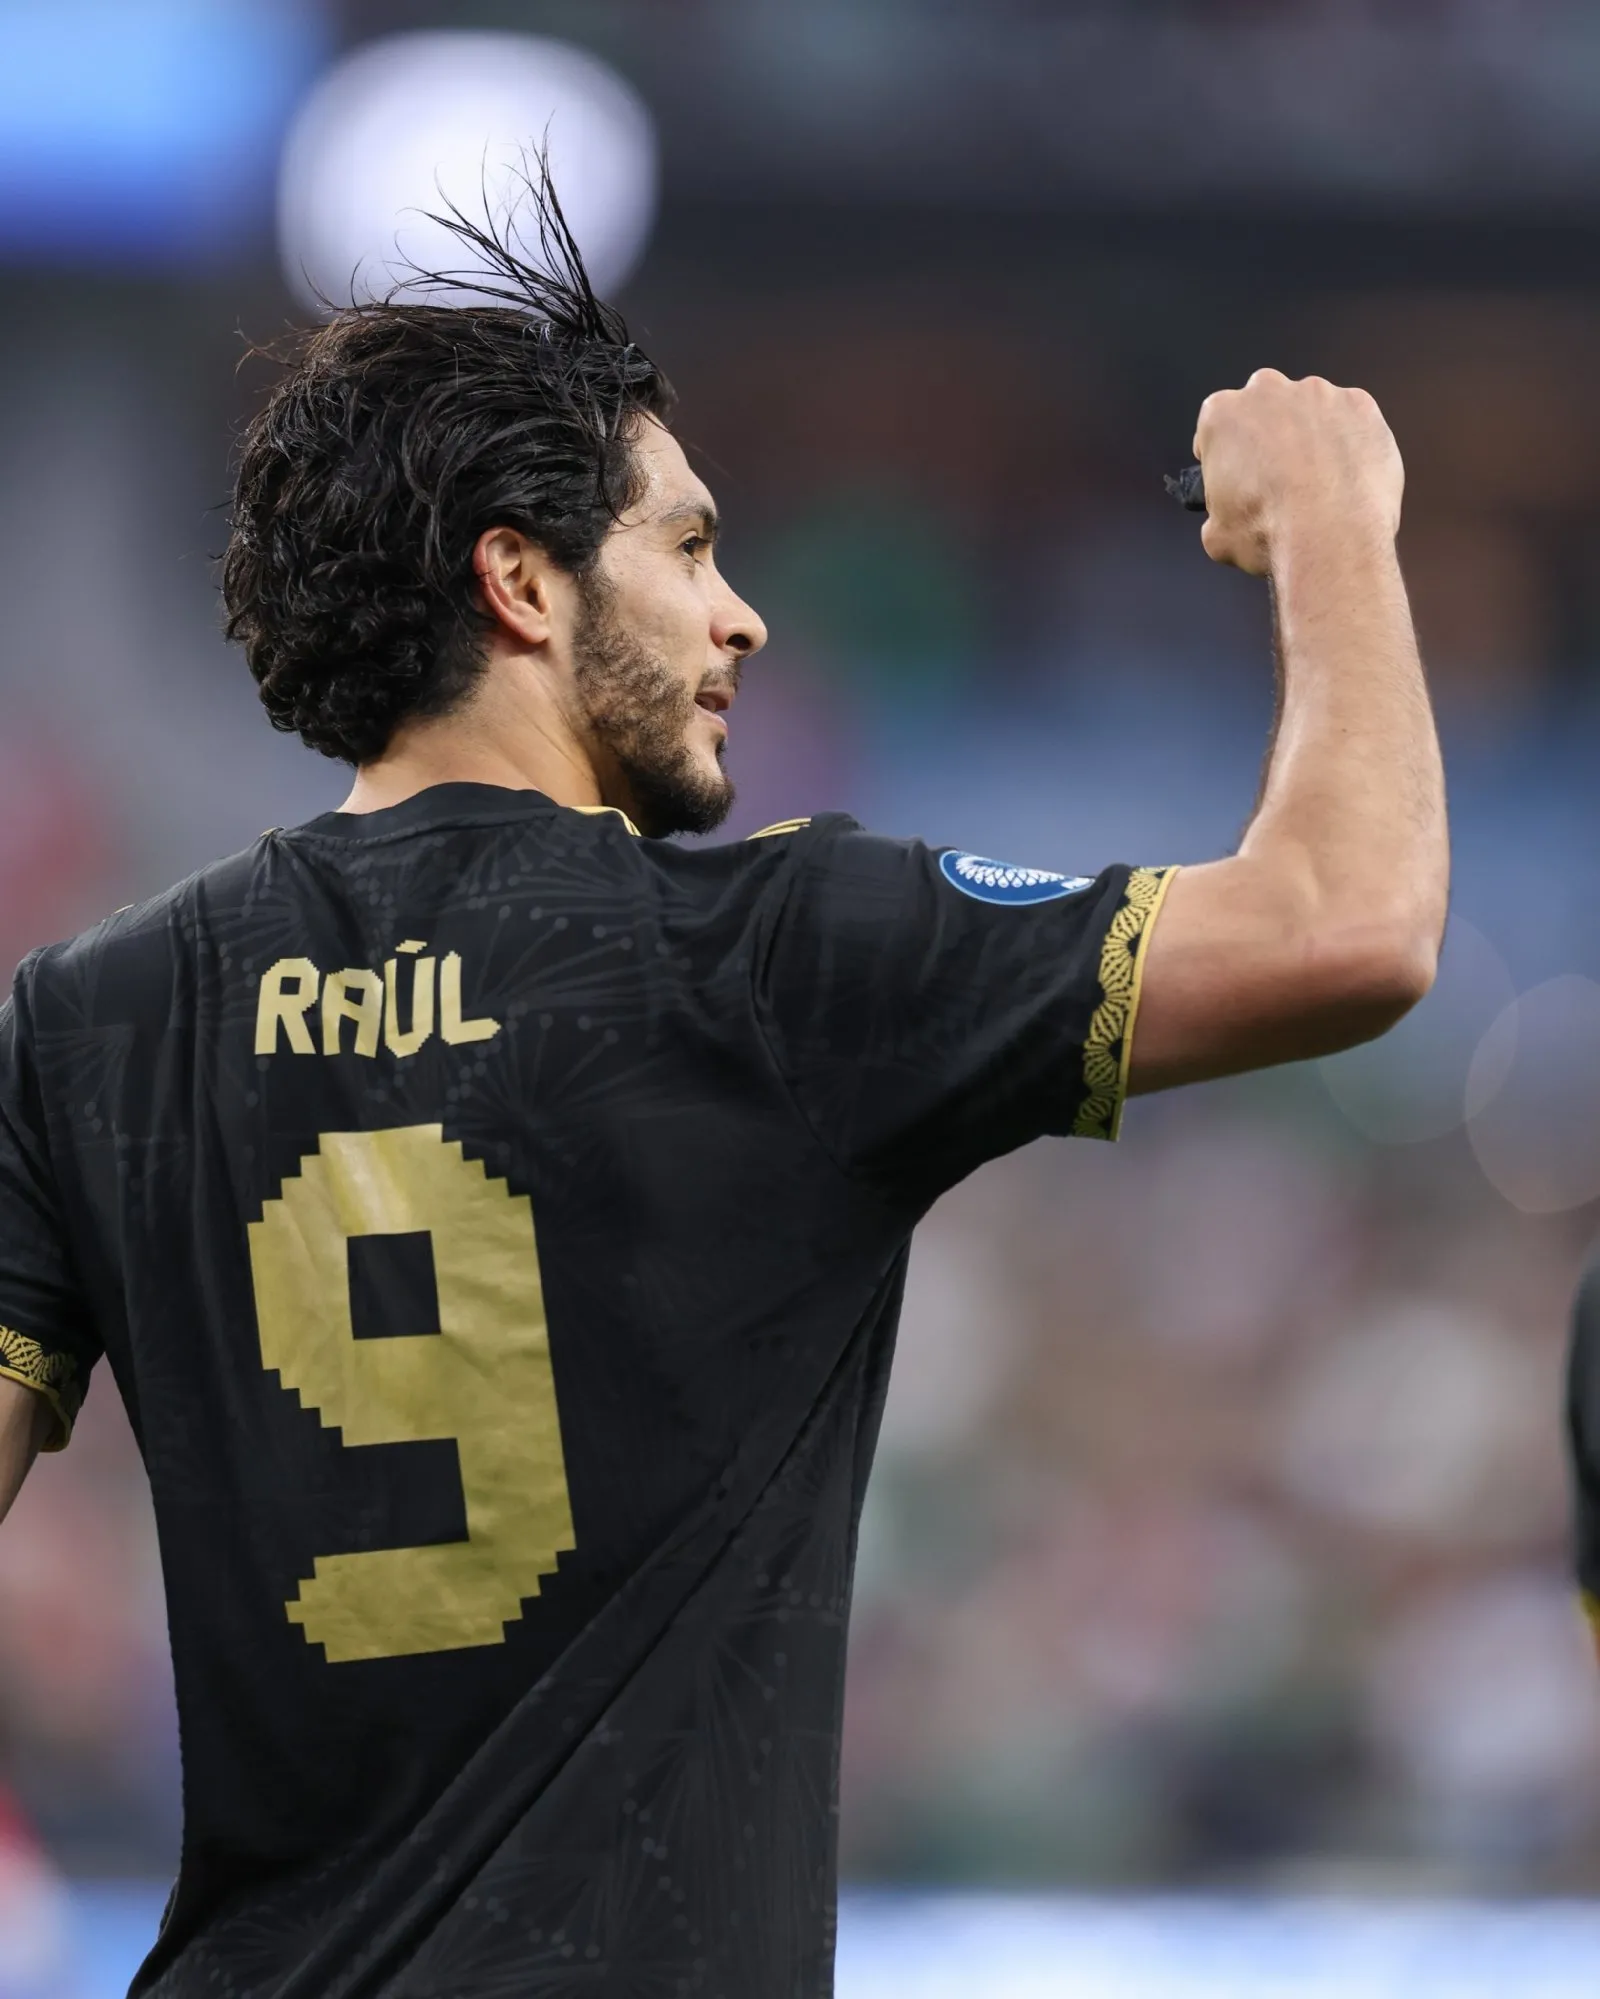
(726, 682)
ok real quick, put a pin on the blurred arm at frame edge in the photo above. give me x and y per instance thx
(1324, 928)
(1583, 1456)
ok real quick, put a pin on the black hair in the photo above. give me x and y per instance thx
(396, 435)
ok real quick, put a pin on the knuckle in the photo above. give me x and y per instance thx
(1211, 412)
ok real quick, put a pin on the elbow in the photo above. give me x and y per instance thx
(1244, 973)
(1414, 965)
(1399, 970)
(1370, 980)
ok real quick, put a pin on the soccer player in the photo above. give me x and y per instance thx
(494, 1214)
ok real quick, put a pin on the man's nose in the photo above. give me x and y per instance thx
(738, 629)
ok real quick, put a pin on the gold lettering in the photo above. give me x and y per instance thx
(352, 995)
(484, 1378)
(407, 1041)
(451, 1025)
(290, 988)
(288, 992)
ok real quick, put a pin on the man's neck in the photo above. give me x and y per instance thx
(491, 742)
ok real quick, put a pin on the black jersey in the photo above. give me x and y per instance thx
(495, 1223)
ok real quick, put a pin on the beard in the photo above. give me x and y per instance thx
(639, 713)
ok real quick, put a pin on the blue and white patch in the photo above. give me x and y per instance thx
(1000, 881)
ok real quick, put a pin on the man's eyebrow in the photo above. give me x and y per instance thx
(699, 513)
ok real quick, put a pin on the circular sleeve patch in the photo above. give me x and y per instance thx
(1002, 881)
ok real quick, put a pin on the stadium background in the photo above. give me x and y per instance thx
(1213, 1581)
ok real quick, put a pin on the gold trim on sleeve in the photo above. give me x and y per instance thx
(1109, 1042)
(52, 1375)
(782, 826)
(1590, 1605)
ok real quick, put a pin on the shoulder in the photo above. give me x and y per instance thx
(770, 854)
(840, 860)
(789, 836)
(837, 844)
(787, 829)
(807, 878)
(127, 962)
(830, 865)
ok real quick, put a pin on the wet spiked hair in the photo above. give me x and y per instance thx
(395, 436)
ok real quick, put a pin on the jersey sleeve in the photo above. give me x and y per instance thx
(1583, 1439)
(46, 1341)
(932, 1009)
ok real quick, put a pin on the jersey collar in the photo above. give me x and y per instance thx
(447, 805)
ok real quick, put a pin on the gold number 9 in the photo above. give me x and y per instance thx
(484, 1379)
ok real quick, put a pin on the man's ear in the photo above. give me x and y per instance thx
(514, 580)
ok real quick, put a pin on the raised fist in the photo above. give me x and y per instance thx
(1281, 455)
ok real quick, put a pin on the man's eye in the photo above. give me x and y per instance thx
(694, 544)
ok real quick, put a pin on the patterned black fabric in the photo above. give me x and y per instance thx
(688, 1105)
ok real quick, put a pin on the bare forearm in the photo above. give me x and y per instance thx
(24, 1424)
(1325, 926)
(1352, 816)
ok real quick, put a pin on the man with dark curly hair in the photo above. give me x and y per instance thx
(494, 1213)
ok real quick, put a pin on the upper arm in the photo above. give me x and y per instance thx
(25, 1422)
(932, 1009)
(1242, 972)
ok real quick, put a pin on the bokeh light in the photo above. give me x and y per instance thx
(405, 125)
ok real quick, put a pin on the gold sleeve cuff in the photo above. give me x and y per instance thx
(54, 1376)
(1109, 1042)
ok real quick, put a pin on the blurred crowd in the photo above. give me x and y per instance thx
(1218, 1530)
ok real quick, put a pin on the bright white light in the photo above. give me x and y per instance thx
(406, 119)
